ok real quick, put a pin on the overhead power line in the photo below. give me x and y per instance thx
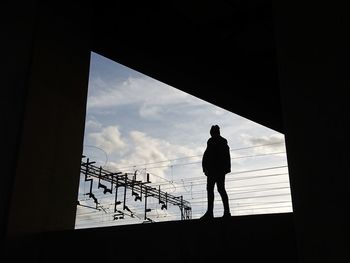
(139, 189)
(200, 155)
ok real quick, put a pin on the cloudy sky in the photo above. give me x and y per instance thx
(135, 122)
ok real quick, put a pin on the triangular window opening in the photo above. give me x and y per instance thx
(143, 146)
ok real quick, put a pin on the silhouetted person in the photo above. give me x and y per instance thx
(216, 163)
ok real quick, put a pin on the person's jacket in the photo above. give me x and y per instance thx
(216, 158)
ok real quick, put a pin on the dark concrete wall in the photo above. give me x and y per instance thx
(44, 192)
(17, 27)
(262, 238)
(313, 52)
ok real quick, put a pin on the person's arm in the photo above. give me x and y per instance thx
(228, 159)
(205, 160)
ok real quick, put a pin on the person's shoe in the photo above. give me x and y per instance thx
(226, 215)
(207, 216)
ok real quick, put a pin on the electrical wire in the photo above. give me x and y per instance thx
(249, 196)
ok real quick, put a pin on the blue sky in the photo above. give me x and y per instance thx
(135, 122)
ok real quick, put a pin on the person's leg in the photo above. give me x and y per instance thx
(223, 194)
(210, 198)
(210, 195)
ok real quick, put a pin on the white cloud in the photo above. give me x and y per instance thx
(271, 143)
(153, 154)
(109, 139)
(93, 125)
(150, 111)
(147, 149)
(135, 90)
(219, 112)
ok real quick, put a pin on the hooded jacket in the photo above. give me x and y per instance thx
(216, 159)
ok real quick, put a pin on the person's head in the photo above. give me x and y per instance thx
(215, 130)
